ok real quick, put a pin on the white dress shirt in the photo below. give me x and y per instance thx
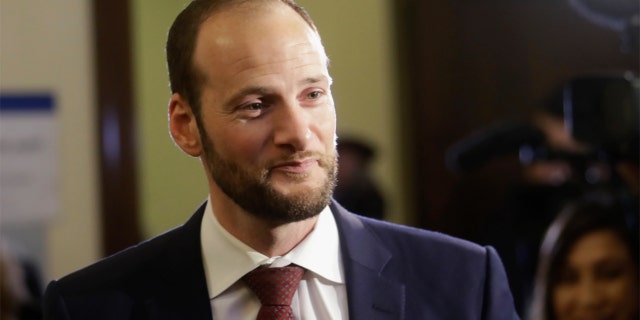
(322, 293)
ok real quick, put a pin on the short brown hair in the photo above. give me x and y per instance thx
(185, 79)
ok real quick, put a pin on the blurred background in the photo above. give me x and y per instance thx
(469, 113)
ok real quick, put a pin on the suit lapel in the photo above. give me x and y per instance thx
(370, 294)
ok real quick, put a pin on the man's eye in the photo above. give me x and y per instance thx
(314, 94)
(253, 106)
(251, 110)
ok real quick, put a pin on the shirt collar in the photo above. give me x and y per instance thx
(226, 259)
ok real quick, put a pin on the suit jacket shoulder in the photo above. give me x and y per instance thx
(162, 278)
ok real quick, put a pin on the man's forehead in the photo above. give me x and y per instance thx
(240, 13)
(240, 30)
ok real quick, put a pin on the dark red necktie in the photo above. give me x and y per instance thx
(275, 288)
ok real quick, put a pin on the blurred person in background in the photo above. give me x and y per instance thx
(13, 292)
(588, 264)
(356, 189)
(20, 289)
(581, 139)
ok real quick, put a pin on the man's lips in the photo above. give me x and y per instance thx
(298, 166)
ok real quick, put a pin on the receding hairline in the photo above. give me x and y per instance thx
(253, 7)
(185, 77)
(249, 7)
(256, 6)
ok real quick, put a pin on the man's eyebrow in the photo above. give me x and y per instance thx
(312, 80)
(262, 90)
(251, 90)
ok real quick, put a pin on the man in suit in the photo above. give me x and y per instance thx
(251, 98)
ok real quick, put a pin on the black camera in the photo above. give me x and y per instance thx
(601, 111)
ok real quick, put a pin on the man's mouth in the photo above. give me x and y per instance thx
(295, 167)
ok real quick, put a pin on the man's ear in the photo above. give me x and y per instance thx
(183, 126)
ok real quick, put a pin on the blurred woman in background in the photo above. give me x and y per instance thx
(588, 265)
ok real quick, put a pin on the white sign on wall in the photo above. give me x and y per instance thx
(28, 161)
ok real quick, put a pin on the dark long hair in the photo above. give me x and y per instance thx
(575, 221)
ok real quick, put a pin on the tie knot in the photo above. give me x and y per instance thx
(274, 286)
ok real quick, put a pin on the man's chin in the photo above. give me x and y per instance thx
(297, 192)
(294, 204)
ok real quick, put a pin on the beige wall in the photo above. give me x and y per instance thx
(171, 183)
(357, 37)
(45, 46)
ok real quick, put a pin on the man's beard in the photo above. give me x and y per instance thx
(255, 194)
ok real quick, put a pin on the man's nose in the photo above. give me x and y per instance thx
(292, 127)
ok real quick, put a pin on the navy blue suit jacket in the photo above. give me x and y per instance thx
(392, 272)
